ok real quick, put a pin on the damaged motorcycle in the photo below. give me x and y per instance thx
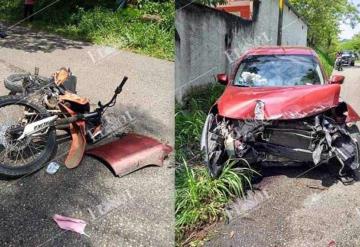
(280, 109)
(38, 107)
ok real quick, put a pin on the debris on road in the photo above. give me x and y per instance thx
(70, 224)
(332, 243)
(131, 153)
(52, 168)
(316, 187)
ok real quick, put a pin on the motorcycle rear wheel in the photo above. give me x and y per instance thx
(22, 157)
(14, 82)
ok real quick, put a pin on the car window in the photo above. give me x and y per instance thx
(278, 70)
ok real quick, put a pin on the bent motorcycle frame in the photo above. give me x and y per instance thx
(77, 125)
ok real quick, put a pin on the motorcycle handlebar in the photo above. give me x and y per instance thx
(119, 88)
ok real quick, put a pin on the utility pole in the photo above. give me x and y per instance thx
(280, 22)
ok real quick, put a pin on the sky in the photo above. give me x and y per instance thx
(347, 31)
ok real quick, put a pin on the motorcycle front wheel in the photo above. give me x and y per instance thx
(19, 157)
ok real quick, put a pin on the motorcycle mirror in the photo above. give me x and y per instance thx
(337, 79)
(222, 79)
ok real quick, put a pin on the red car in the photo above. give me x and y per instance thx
(279, 108)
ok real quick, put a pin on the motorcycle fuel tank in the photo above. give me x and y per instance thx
(131, 152)
(293, 102)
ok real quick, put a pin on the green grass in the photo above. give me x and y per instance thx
(200, 199)
(190, 118)
(326, 61)
(124, 29)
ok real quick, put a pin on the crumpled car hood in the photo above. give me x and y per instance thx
(292, 102)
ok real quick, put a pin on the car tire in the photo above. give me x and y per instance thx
(355, 135)
(215, 169)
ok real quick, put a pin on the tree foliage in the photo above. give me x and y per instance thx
(144, 26)
(353, 44)
(61, 11)
(324, 18)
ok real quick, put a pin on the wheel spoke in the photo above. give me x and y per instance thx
(14, 152)
(3, 154)
(35, 147)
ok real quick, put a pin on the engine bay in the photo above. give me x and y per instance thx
(313, 140)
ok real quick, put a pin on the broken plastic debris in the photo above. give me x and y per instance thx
(52, 168)
(332, 243)
(71, 224)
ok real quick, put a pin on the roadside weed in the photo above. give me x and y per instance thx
(190, 118)
(201, 199)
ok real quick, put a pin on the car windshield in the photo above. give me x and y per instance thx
(278, 70)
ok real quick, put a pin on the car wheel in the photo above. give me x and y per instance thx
(214, 153)
(355, 135)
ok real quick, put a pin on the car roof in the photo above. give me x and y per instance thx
(281, 50)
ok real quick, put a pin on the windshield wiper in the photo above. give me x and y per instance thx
(241, 85)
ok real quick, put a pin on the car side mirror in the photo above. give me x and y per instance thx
(222, 79)
(337, 79)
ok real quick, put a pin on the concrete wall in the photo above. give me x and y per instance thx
(203, 35)
(266, 24)
(294, 29)
(208, 40)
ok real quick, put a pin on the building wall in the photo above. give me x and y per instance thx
(266, 24)
(208, 40)
(294, 29)
(242, 8)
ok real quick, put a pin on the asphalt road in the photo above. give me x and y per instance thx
(135, 210)
(313, 210)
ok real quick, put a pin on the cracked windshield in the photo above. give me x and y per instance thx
(260, 71)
